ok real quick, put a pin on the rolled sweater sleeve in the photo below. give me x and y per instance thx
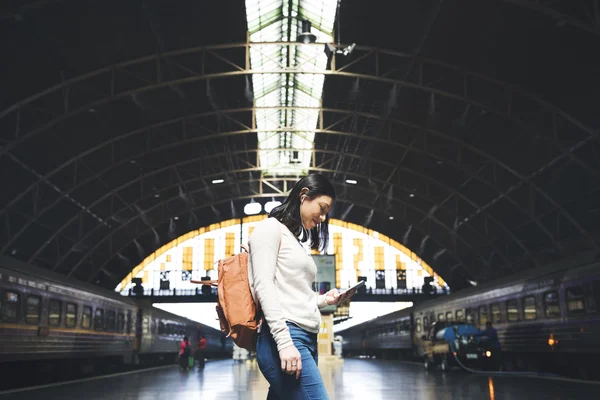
(322, 301)
(264, 247)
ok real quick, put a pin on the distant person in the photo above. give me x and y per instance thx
(491, 339)
(200, 351)
(184, 353)
(490, 334)
(281, 273)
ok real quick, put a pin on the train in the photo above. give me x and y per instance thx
(54, 324)
(547, 319)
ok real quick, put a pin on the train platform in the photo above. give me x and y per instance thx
(355, 379)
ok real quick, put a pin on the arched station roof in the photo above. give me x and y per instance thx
(473, 124)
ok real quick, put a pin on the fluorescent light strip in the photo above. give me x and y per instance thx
(269, 21)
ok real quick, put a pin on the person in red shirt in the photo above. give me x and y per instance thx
(184, 353)
(200, 351)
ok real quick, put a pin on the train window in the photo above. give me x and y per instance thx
(495, 311)
(154, 327)
(129, 322)
(512, 310)
(54, 312)
(593, 299)
(110, 321)
(86, 317)
(440, 317)
(34, 306)
(145, 326)
(449, 316)
(426, 322)
(419, 327)
(575, 303)
(552, 305)
(460, 315)
(99, 319)
(530, 312)
(161, 328)
(406, 326)
(470, 315)
(71, 315)
(9, 310)
(483, 315)
(120, 322)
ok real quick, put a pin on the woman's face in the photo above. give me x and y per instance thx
(314, 211)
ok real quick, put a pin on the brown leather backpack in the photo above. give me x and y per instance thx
(239, 316)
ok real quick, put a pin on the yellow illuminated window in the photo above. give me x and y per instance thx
(379, 258)
(209, 254)
(186, 264)
(229, 244)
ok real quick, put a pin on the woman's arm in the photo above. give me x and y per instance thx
(264, 248)
(322, 301)
(328, 299)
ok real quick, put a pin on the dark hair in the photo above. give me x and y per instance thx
(288, 213)
(185, 338)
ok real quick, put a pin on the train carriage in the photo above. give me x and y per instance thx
(45, 316)
(548, 319)
(65, 327)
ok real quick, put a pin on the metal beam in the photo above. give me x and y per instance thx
(401, 123)
(186, 162)
(592, 27)
(352, 201)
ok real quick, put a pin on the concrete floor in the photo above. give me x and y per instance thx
(355, 379)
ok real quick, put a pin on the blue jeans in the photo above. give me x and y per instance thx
(284, 386)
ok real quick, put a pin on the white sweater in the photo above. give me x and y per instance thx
(281, 283)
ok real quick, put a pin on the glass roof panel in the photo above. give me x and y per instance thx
(260, 13)
(299, 85)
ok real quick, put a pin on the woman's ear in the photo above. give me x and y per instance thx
(303, 194)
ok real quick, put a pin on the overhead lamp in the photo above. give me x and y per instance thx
(252, 208)
(331, 49)
(271, 205)
(351, 181)
(306, 36)
(411, 195)
(216, 181)
(391, 217)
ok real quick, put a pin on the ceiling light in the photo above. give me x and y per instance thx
(391, 217)
(157, 195)
(351, 181)
(412, 195)
(215, 181)
(271, 205)
(306, 36)
(252, 208)
(175, 218)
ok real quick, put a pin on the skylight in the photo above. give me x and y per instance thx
(287, 103)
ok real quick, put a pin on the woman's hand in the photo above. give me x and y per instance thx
(291, 361)
(332, 297)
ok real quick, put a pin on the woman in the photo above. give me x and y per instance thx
(281, 275)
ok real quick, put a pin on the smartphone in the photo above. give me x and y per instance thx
(351, 291)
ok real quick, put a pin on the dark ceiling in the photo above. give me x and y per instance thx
(477, 131)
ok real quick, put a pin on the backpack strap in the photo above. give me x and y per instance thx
(260, 316)
(214, 283)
